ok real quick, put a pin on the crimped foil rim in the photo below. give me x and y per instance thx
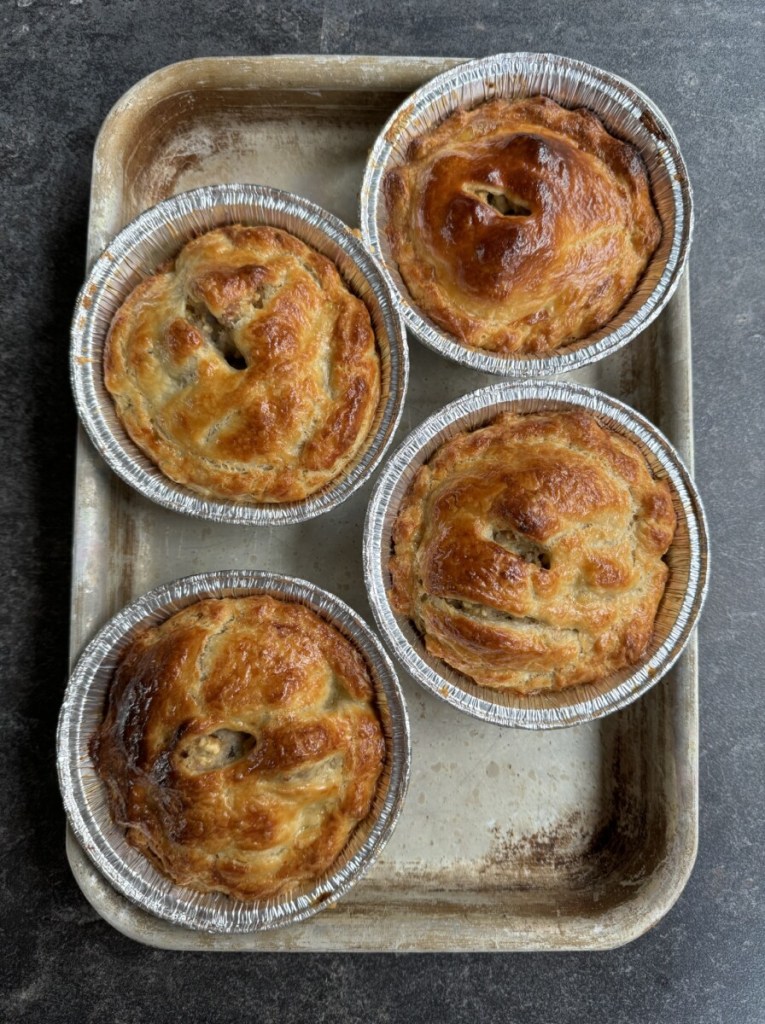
(608, 95)
(166, 227)
(547, 710)
(126, 869)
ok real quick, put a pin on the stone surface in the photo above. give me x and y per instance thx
(63, 65)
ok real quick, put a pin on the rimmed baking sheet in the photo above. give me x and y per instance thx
(510, 840)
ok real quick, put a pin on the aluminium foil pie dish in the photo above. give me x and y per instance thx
(687, 560)
(126, 868)
(627, 115)
(132, 260)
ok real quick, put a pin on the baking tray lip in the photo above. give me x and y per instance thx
(557, 361)
(621, 928)
(123, 456)
(192, 65)
(126, 103)
(486, 402)
(643, 909)
(178, 904)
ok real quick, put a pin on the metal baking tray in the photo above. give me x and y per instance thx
(581, 838)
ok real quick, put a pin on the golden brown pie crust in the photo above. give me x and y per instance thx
(240, 745)
(520, 226)
(245, 369)
(528, 553)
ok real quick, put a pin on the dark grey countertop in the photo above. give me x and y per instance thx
(63, 65)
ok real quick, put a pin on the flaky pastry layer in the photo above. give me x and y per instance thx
(245, 369)
(529, 553)
(520, 226)
(240, 745)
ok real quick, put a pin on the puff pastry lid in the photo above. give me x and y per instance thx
(240, 745)
(528, 553)
(520, 226)
(245, 368)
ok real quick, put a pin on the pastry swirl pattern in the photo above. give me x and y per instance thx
(245, 368)
(520, 226)
(529, 553)
(240, 745)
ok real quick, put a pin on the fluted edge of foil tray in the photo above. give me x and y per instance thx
(84, 795)
(626, 112)
(160, 233)
(688, 559)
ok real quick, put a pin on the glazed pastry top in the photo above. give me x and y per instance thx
(528, 553)
(245, 368)
(520, 226)
(241, 745)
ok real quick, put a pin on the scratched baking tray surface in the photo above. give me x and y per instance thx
(577, 838)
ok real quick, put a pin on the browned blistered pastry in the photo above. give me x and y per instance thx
(240, 745)
(520, 226)
(245, 369)
(529, 552)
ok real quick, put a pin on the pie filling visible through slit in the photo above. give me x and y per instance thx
(241, 746)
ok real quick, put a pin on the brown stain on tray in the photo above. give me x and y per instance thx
(123, 546)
